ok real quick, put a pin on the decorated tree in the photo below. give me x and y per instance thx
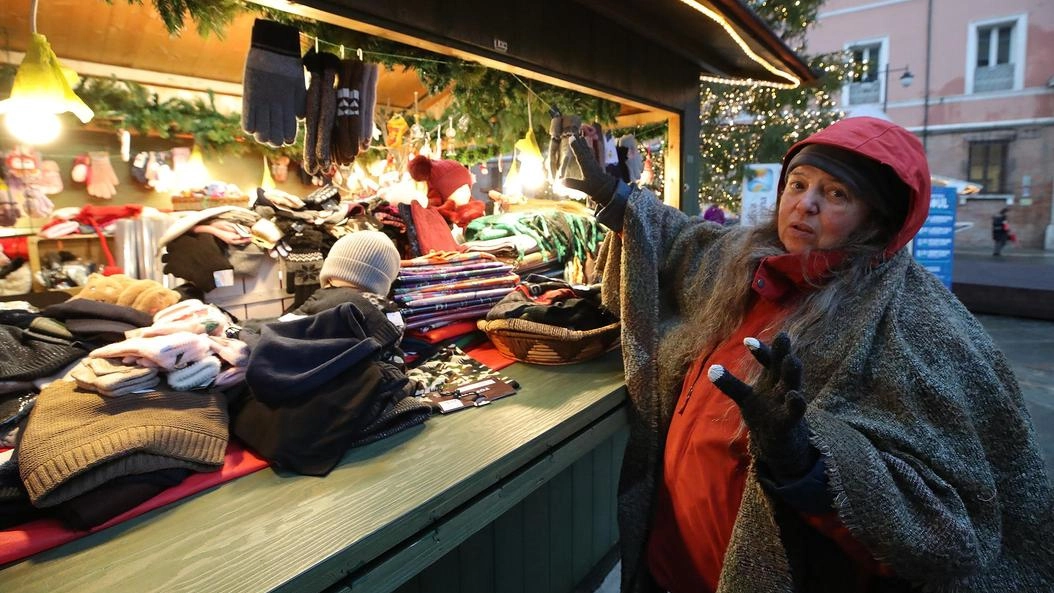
(757, 124)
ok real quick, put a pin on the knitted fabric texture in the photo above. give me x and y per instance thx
(83, 316)
(76, 440)
(366, 259)
(23, 358)
(169, 351)
(106, 377)
(957, 447)
(199, 374)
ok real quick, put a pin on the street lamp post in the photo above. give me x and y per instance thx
(905, 81)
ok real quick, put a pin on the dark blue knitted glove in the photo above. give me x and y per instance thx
(273, 87)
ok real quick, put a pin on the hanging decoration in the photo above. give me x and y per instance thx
(42, 90)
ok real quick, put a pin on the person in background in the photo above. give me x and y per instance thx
(714, 214)
(1001, 232)
(811, 410)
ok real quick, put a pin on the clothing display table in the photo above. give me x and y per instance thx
(390, 510)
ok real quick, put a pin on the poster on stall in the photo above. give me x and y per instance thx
(759, 193)
(934, 244)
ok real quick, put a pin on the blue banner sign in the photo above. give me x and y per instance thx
(934, 245)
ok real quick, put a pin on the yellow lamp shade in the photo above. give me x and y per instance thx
(42, 85)
(531, 173)
(527, 147)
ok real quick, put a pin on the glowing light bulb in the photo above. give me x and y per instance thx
(33, 127)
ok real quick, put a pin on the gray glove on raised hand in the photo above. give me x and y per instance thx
(595, 181)
(774, 408)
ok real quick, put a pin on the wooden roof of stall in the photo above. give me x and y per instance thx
(128, 35)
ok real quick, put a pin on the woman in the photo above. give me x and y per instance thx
(811, 409)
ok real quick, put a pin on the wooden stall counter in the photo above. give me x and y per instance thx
(514, 496)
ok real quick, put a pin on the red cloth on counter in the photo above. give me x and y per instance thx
(36, 536)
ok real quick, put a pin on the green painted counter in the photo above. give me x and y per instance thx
(387, 513)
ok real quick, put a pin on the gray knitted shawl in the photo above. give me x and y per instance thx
(931, 454)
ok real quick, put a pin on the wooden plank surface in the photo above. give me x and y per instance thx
(270, 531)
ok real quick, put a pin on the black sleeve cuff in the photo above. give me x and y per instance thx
(611, 214)
(808, 494)
(276, 37)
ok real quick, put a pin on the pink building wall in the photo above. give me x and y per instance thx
(1022, 115)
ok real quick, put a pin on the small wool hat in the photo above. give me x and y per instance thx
(443, 177)
(367, 259)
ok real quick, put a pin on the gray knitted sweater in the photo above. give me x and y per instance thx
(931, 455)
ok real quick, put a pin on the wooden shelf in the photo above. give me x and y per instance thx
(86, 247)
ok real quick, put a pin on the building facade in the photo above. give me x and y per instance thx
(974, 79)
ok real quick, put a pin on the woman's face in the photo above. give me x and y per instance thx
(817, 211)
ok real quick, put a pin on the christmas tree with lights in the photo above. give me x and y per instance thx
(757, 124)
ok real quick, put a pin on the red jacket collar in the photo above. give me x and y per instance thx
(778, 275)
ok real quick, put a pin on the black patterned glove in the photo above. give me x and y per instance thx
(774, 408)
(595, 181)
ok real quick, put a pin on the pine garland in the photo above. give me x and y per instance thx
(210, 16)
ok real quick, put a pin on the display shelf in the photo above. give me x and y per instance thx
(86, 247)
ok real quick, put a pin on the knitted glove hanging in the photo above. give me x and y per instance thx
(561, 129)
(321, 107)
(274, 93)
(102, 181)
(774, 408)
(595, 182)
(368, 105)
(347, 126)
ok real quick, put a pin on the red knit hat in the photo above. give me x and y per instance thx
(443, 177)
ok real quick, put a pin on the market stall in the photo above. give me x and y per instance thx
(517, 483)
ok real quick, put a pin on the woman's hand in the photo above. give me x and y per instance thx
(774, 408)
(595, 181)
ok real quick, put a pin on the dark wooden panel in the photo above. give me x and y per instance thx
(509, 574)
(536, 540)
(475, 561)
(583, 553)
(561, 533)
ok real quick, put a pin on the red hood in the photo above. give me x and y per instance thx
(890, 145)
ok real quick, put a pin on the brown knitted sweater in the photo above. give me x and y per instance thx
(76, 440)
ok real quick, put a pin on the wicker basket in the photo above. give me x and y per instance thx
(539, 343)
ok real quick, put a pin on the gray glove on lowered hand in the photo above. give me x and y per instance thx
(595, 182)
(774, 408)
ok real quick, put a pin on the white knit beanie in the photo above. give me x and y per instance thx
(367, 259)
